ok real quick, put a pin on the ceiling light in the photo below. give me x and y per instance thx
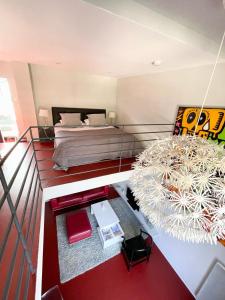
(179, 184)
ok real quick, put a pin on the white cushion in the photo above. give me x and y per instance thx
(70, 119)
(97, 119)
(86, 122)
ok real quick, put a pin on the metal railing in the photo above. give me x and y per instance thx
(24, 171)
(20, 203)
(143, 134)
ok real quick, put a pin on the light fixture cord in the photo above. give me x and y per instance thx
(210, 81)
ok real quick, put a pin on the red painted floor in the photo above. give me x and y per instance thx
(111, 280)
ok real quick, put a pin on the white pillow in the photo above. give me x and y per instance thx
(86, 122)
(97, 119)
(58, 124)
(70, 119)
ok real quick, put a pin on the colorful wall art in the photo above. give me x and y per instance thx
(211, 123)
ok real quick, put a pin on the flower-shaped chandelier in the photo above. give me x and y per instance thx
(179, 183)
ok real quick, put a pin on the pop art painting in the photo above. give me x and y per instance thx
(209, 125)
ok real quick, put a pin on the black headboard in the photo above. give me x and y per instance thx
(83, 112)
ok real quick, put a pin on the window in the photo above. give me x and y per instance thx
(8, 124)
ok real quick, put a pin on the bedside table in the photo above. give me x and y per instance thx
(47, 132)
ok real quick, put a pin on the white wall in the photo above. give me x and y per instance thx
(57, 86)
(192, 262)
(156, 97)
(22, 96)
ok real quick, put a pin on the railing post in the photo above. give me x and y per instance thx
(16, 221)
(35, 156)
(121, 148)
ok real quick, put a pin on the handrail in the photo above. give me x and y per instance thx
(87, 135)
(141, 136)
(97, 153)
(103, 144)
(85, 172)
(16, 205)
(14, 176)
(3, 159)
(25, 201)
(104, 125)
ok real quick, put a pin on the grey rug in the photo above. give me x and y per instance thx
(80, 257)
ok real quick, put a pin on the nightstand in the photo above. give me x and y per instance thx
(46, 132)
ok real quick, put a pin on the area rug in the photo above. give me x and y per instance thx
(80, 257)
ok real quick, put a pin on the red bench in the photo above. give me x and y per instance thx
(78, 226)
(79, 198)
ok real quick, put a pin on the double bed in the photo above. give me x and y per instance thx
(84, 144)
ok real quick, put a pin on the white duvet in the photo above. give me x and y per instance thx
(58, 127)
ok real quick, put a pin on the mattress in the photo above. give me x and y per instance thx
(78, 146)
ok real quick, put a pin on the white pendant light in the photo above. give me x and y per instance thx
(179, 184)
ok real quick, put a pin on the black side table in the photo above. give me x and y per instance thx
(46, 133)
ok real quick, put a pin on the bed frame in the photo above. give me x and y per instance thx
(83, 112)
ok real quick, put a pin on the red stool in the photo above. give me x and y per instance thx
(78, 226)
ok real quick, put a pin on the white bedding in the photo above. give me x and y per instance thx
(84, 145)
(58, 127)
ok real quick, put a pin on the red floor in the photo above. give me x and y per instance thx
(111, 280)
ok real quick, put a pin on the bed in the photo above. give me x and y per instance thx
(83, 144)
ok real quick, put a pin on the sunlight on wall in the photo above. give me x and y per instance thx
(8, 124)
